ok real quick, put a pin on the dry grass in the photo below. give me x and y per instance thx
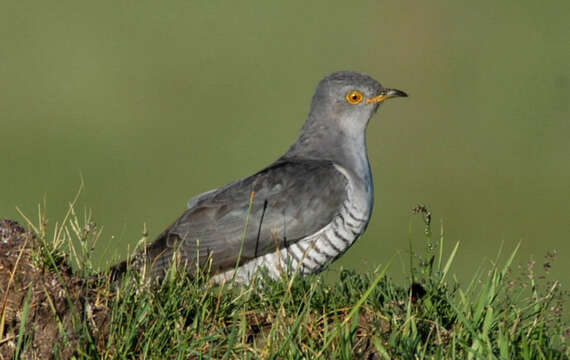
(56, 306)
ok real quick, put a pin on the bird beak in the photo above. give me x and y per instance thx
(386, 94)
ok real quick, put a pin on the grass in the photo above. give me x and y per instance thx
(505, 312)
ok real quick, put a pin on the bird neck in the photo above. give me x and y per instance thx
(342, 149)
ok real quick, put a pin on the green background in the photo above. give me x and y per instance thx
(153, 102)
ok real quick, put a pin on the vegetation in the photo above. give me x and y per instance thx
(50, 310)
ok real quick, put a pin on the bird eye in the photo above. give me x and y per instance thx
(354, 97)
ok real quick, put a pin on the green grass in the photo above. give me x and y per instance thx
(503, 313)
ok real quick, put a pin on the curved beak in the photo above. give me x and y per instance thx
(386, 94)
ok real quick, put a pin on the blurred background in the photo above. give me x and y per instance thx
(152, 103)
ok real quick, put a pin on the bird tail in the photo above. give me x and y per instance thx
(154, 260)
(117, 271)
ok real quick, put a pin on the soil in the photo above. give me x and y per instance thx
(45, 292)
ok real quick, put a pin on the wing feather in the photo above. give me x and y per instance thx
(292, 199)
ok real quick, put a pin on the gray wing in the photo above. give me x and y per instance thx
(196, 199)
(291, 199)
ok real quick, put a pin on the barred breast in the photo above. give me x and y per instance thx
(314, 253)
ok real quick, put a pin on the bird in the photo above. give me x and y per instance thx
(300, 213)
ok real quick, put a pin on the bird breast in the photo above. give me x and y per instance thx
(314, 253)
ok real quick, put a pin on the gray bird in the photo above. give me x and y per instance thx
(298, 214)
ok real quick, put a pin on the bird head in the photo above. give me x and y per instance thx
(347, 100)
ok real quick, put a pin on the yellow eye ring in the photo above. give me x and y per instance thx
(354, 97)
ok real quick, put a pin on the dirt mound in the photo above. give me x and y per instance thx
(49, 302)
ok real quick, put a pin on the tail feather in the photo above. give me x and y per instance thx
(156, 258)
(117, 271)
